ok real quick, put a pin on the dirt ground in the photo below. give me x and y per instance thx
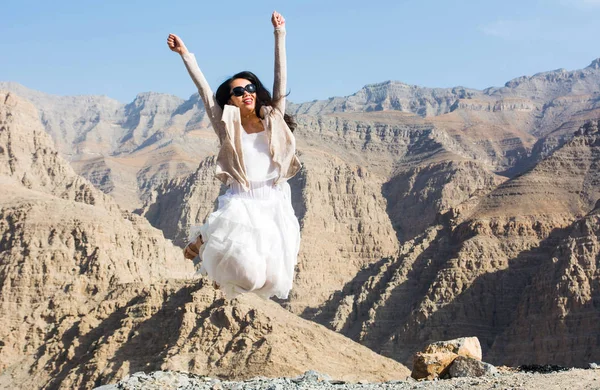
(573, 379)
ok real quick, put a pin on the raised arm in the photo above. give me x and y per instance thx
(280, 80)
(213, 110)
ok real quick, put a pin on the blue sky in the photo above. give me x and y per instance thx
(118, 48)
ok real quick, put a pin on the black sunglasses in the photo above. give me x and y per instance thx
(239, 91)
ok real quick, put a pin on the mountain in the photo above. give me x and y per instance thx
(91, 293)
(426, 214)
(128, 150)
(500, 266)
(125, 150)
(545, 95)
(561, 329)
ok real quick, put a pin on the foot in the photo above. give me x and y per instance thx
(193, 248)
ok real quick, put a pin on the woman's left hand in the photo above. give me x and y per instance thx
(277, 19)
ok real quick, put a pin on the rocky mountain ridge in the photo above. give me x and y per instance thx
(527, 249)
(529, 92)
(415, 228)
(130, 149)
(91, 293)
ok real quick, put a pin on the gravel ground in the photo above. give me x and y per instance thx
(572, 379)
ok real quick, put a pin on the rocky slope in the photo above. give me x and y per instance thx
(343, 220)
(189, 327)
(428, 221)
(560, 329)
(474, 272)
(573, 378)
(64, 243)
(90, 293)
(125, 150)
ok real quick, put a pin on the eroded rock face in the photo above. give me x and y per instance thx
(183, 202)
(63, 242)
(473, 272)
(418, 197)
(344, 228)
(125, 150)
(130, 150)
(28, 159)
(91, 293)
(560, 330)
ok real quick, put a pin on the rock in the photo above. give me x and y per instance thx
(542, 368)
(468, 367)
(431, 365)
(594, 366)
(312, 376)
(464, 346)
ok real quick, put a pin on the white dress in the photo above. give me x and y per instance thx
(251, 242)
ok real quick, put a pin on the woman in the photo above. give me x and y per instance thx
(251, 242)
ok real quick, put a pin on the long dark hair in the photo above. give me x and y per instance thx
(263, 96)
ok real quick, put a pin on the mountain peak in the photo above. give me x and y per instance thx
(156, 96)
(595, 64)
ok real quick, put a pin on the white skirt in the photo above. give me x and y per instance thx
(251, 242)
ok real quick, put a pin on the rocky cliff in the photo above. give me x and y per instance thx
(125, 150)
(488, 267)
(183, 202)
(560, 329)
(128, 150)
(342, 213)
(91, 293)
(64, 243)
(426, 214)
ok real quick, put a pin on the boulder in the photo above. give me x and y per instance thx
(464, 346)
(464, 366)
(435, 360)
(429, 366)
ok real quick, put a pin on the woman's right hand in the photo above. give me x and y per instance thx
(277, 19)
(176, 44)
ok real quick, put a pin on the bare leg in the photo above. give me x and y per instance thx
(193, 248)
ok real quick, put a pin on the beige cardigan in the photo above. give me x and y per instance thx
(228, 125)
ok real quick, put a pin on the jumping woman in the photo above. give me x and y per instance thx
(251, 242)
